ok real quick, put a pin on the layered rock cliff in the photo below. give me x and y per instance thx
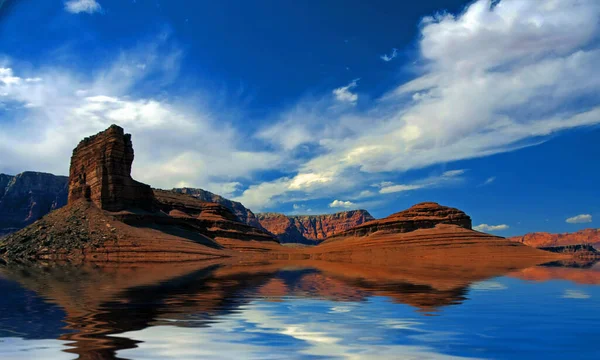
(421, 216)
(311, 229)
(111, 217)
(28, 196)
(243, 214)
(544, 239)
(101, 172)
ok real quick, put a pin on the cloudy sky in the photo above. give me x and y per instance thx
(313, 107)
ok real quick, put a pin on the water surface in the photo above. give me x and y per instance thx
(296, 311)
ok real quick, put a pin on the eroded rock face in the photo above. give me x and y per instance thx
(243, 214)
(421, 216)
(28, 196)
(211, 219)
(311, 229)
(101, 172)
(544, 239)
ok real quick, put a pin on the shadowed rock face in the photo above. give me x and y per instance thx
(101, 172)
(311, 229)
(28, 196)
(421, 216)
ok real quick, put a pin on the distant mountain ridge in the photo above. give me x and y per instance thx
(311, 229)
(545, 239)
(26, 197)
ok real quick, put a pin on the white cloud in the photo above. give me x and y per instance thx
(575, 294)
(580, 219)
(177, 142)
(79, 6)
(490, 228)
(341, 204)
(489, 180)
(399, 188)
(491, 79)
(488, 286)
(390, 57)
(343, 94)
(447, 178)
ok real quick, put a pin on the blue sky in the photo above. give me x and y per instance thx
(320, 106)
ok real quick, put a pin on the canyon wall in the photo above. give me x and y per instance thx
(28, 196)
(544, 239)
(311, 229)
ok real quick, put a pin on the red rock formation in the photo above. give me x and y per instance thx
(544, 239)
(311, 229)
(421, 216)
(244, 214)
(211, 219)
(101, 172)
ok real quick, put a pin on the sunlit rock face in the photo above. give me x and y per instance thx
(101, 172)
(311, 229)
(420, 216)
(544, 239)
(28, 196)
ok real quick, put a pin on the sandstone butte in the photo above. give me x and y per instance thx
(111, 217)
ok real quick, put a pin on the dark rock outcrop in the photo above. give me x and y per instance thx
(421, 216)
(311, 229)
(101, 172)
(580, 251)
(28, 196)
(243, 214)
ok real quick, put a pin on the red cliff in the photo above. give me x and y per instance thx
(544, 239)
(101, 172)
(311, 229)
(421, 216)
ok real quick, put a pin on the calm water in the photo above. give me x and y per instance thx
(275, 311)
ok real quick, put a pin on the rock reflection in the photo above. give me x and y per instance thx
(102, 301)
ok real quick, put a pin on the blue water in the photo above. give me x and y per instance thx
(297, 314)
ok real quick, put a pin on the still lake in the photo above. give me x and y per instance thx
(265, 311)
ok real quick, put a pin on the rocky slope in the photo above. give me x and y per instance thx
(27, 197)
(544, 239)
(111, 217)
(311, 229)
(243, 214)
(421, 216)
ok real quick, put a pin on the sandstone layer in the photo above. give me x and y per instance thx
(101, 172)
(311, 229)
(544, 239)
(27, 197)
(243, 214)
(421, 216)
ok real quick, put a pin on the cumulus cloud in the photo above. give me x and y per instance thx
(344, 93)
(490, 228)
(341, 204)
(491, 79)
(580, 219)
(177, 141)
(390, 57)
(79, 6)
